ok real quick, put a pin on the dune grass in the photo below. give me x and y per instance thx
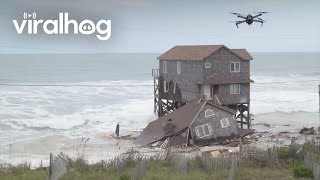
(166, 173)
(251, 166)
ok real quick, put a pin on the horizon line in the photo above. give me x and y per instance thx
(44, 53)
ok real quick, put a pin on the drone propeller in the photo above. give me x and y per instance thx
(261, 20)
(262, 12)
(237, 14)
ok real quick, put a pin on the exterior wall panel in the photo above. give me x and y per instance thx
(187, 88)
(214, 121)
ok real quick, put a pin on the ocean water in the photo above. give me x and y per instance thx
(94, 92)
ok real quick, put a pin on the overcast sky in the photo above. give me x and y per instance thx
(154, 26)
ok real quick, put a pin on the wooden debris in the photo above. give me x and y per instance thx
(307, 131)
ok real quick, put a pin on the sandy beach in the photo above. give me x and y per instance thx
(105, 146)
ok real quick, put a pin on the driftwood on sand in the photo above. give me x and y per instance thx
(307, 131)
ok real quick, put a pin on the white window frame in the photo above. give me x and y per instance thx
(178, 67)
(207, 65)
(202, 128)
(165, 67)
(232, 89)
(165, 86)
(174, 87)
(209, 113)
(235, 70)
(225, 123)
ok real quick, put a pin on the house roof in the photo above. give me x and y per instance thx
(242, 53)
(180, 118)
(174, 122)
(200, 52)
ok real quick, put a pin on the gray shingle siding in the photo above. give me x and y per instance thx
(221, 67)
(226, 98)
(191, 72)
(214, 121)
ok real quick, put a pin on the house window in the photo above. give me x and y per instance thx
(209, 113)
(203, 130)
(224, 123)
(178, 67)
(174, 88)
(207, 65)
(199, 131)
(165, 86)
(234, 67)
(234, 88)
(165, 70)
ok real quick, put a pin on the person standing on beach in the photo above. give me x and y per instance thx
(117, 130)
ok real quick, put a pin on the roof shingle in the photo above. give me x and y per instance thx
(199, 52)
(242, 53)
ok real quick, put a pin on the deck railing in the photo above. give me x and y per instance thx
(216, 99)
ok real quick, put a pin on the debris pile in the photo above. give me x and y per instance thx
(198, 123)
(307, 131)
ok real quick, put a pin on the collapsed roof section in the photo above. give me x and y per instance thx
(179, 120)
(198, 122)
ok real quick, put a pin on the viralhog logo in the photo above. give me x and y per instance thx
(102, 28)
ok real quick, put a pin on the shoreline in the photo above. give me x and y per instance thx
(106, 147)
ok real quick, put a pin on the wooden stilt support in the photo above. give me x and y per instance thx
(244, 115)
(248, 116)
(162, 106)
(241, 122)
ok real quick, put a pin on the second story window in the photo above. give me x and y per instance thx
(178, 67)
(234, 67)
(165, 70)
(165, 86)
(207, 65)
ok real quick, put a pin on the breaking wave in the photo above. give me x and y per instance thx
(78, 109)
(292, 93)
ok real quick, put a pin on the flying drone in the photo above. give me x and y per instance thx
(249, 19)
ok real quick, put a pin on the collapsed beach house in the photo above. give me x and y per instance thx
(201, 93)
(198, 122)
